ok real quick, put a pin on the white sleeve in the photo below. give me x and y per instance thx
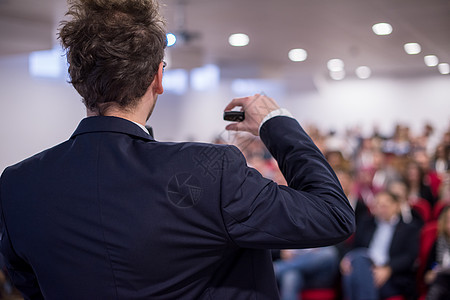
(275, 113)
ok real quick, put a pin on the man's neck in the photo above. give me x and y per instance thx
(119, 114)
(133, 117)
(139, 113)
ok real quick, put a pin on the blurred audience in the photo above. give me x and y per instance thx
(400, 143)
(440, 159)
(437, 274)
(299, 269)
(384, 171)
(431, 176)
(407, 212)
(347, 180)
(418, 185)
(384, 251)
(376, 161)
(414, 169)
(444, 189)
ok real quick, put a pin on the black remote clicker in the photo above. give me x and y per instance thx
(234, 116)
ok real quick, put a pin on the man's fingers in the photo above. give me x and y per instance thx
(256, 107)
(237, 102)
(232, 126)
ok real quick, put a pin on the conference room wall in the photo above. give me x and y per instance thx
(380, 102)
(37, 113)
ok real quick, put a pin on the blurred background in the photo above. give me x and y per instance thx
(336, 65)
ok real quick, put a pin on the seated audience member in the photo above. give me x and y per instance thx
(444, 191)
(317, 137)
(408, 214)
(385, 248)
(348, 185)
(384, 171)
(306, 268)
(364, 188)
(437, 275)
(364, 155)
(400, 143)
(418, 187)
(427, 140)
(346, 178)
(336, 159)
(432, 177)
(441, 159)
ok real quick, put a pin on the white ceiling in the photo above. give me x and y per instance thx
(325, 28)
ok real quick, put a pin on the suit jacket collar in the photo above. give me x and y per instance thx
(110, 124)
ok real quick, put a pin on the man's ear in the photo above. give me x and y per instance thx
(157, 81)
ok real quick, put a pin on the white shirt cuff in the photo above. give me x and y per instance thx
(275, 113)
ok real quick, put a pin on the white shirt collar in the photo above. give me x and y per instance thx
(392, 222)
(142, 127)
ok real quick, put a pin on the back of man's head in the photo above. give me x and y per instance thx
(114, 48)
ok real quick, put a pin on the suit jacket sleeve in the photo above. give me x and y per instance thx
(312, 211)
(20, 272)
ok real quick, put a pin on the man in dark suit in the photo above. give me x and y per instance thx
(381, 265)
(113, 214)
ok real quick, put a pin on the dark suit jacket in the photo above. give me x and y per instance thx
(113, 214)
(403, 250)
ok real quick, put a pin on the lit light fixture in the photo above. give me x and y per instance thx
(337, 75)
(444, 68)
(298, 55)
(382, 29)
(239, 39)
(431, 60)
(171, 39)
(47, 63)
(412, 48)
(363, 72)
(335, 65)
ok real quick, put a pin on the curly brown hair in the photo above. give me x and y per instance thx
(114, 48)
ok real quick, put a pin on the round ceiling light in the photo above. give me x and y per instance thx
(239, 39)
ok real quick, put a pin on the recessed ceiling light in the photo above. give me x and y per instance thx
(298, 55)
(382, 28)
(412, 48)
(444, 68)
(335, 65)
(239, 39)
(363, 72)
(431, 60)
(171, 39)
(337, 75)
